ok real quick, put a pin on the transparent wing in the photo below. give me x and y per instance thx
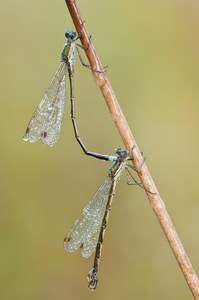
(85, 232)
(45, 123)
(71, 54)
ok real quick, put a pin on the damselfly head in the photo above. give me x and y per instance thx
(71, 35)
(121, 153)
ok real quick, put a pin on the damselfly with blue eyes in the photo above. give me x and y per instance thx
(45, 124)
(87, 234)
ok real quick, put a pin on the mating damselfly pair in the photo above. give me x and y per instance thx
(88, 231)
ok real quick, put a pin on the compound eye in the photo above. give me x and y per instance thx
(67, 34)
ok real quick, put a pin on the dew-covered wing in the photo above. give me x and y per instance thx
(85, 232)
(45, 123)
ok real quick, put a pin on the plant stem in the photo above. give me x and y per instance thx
(117, 115)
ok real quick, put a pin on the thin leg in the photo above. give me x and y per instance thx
(135, 181)
(83, 63)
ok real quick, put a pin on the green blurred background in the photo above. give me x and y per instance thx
(151, 48)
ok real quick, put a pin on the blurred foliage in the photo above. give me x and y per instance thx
(151, 48)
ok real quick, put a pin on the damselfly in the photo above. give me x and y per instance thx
(87, 234)
(45, 123)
